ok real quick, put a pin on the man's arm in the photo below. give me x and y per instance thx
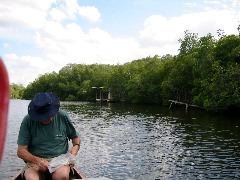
(24, 154)
(76, 145)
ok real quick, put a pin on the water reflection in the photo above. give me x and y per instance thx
(146, 142)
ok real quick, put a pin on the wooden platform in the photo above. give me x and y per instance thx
(184, 104)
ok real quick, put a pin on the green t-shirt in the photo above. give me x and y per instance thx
(49, 140)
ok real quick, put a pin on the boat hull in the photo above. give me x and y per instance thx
(74, 174)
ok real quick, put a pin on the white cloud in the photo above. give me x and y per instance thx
(24, 69)
(33, 15)
(23, 13)
(91, 13)
(70, 44)
(57, 15)
(70, 9)
(161, 31)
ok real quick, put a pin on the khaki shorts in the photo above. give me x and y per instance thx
(34, 166)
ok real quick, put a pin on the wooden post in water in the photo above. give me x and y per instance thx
(178, 102)
(99, 89)
(185, 104)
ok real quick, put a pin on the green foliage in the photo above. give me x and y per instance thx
(46, 82)
(188, 43)
(206, 72)
(16, 91)
(218, 85)
(227, 50)
(222, 89)
(73, 82)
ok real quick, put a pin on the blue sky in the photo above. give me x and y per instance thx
(38, 37)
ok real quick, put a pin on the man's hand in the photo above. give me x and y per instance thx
(42, 164)
(74, 150)
(76, 146)
(36, 162)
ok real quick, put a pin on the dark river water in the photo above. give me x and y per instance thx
(142, 142)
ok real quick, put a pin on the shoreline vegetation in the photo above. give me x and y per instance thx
(205, 73)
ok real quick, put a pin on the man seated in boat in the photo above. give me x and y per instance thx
(44, 134)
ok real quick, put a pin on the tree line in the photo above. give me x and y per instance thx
(205, 72)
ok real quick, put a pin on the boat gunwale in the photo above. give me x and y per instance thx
(73, 171)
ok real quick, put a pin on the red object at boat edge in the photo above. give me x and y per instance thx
(4, 101)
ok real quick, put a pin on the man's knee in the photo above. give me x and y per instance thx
(61, 173)
(31, 174)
